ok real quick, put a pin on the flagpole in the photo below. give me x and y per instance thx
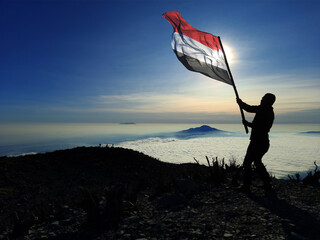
(233, 84)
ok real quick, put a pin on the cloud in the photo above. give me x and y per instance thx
(198, 100)
(294, 93)
(286, 155)
(293, 97)
(163, 103)
(303, 116)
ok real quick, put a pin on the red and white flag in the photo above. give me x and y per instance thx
(198, 51)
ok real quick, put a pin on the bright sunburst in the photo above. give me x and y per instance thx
(229, 52)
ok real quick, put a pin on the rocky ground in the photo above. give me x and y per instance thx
(114, 193)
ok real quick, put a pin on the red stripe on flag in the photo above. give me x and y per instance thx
(181, 26)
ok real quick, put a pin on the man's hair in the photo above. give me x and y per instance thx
(270, 98)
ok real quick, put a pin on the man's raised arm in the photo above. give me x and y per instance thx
(247, 107)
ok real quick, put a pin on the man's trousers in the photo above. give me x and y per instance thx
(255, 152)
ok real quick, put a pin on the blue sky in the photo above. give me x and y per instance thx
(112, 61)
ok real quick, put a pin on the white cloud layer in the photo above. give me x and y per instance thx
(288, 154)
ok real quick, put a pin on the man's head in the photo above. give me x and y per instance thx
(268, 99)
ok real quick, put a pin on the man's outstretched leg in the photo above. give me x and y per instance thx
(265, 177)
(247, 168)
(247, 172)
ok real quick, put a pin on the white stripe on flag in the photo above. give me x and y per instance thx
(195, 49)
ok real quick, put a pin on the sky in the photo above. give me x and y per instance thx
(112, 61)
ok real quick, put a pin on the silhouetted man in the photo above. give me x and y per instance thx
(259, 140)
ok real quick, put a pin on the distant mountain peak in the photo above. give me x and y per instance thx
(202, 129)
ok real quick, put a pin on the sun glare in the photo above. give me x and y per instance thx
(229, 53)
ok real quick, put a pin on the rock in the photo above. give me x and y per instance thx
(227, 235)
(56, 223)
(171, 201)
(187, 187)
(297, 236)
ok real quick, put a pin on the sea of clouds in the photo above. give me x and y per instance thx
(294, 148)
(288, 154)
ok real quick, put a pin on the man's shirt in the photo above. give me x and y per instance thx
(262, 121)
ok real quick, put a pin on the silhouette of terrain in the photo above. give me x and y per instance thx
(116, 193)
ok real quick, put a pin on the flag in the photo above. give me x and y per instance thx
(198, 51)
